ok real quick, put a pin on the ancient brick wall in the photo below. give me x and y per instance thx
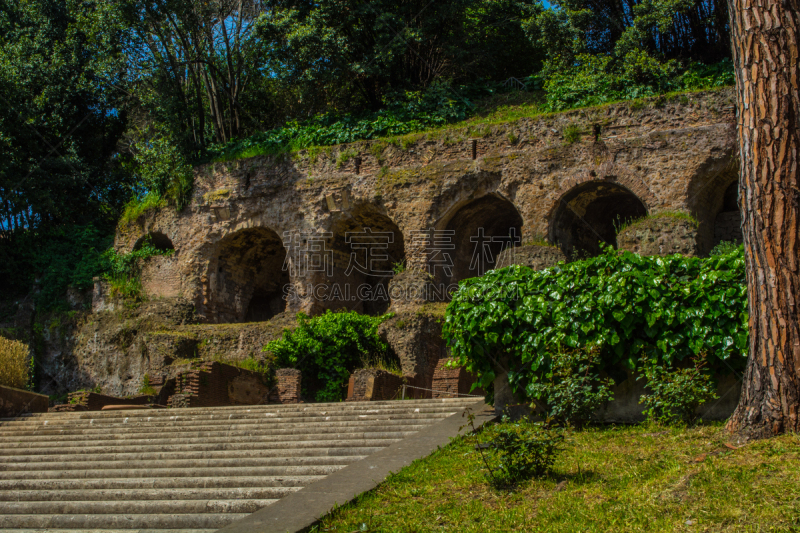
(522, 181)
(660, 236)
(534, 256)
(452, 382)
(370, 384)
(287, 386)
(213, 384)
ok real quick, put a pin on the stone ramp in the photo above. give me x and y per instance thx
(186, 470)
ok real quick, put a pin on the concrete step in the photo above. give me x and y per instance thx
(227, 411)
(265, 440)
(51, 530)
(239, 425)
(236, 449)
(204, 468)
(124, 458)
(185, 470)
(203, 459)
(127, 495)
(121, 521)
(156, 416)
(12, 486)
(116, 507)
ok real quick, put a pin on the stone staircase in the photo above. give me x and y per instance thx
(188, 470)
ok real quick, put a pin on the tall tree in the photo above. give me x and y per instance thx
(363, 50)
(194, 60)
(764, 41)
(62, 112)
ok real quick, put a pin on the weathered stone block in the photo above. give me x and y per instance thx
(537, 257)
(660, 235)
(370, 384)
(15, 402)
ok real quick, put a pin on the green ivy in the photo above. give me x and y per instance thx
(327, 348)
(123, 270)
(622, 304)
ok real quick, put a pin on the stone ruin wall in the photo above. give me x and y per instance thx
(676, 155)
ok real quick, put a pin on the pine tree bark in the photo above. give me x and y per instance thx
(765, 54)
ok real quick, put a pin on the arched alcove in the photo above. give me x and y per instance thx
(367, 247)
(249, 277)
(590, 214)
(160, 241)
(728, 222)
(476, 234)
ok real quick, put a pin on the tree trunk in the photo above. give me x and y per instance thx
(764, 41)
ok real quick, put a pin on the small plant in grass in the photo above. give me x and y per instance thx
(523, 450)
(676, 393)
(724, 248)
(146, 388)
(571, 390)
(382, 362)
(399, 266)
(572, 133)
(344, 156)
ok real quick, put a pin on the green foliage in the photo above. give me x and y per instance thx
(327, 348)
(374, 49)
(523, 450)
(123, 270)
(15, 358)
(622, 304)
(571, 390)
(725, 248)
(622, 225)
(598, 79)
(676, 393)
(61, 63)
(136, 207)
(572, 133)
(146, 388)
(383, 362)
(54, 260)
(406, 113)
(164, 177)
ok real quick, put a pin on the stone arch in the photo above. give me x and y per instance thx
(367, 247)
(712, 198)
(248, 279)
(728, 222)
(590, 214)
(160, 241)
(471, 237)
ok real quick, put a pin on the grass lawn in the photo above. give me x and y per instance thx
(634, 478)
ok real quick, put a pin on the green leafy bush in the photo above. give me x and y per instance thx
(522, 450)
(725, 248)
(599, 79)
(14, 363)
(622, 304)
(327, 348)
(405, 112)
(676, 393)
(571, 390)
